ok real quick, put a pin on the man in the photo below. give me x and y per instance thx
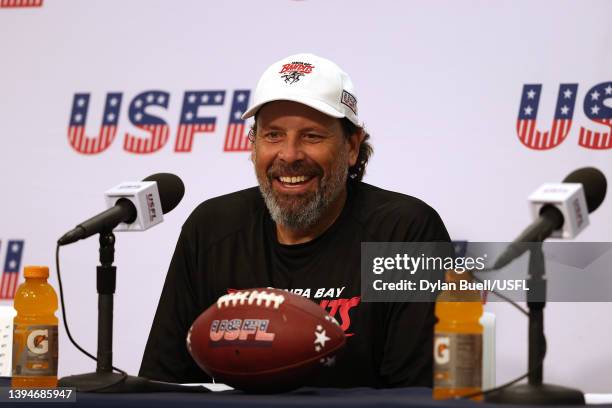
(301, 230)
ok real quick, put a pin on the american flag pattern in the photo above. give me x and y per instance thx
(528, 113)
(78, 118)
(598, 112)
(10, 274)
(236, 138)
(460, 248)
(157, 127)
(20, 3)
(191, 122)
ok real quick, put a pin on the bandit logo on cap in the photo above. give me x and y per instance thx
(293, 71)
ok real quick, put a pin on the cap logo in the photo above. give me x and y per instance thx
(293, 71)
(349, 100)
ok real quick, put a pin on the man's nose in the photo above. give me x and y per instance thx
(291, 149)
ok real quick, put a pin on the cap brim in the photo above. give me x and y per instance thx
(313, 103)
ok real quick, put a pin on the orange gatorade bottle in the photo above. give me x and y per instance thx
(35, 331)
(458, 340)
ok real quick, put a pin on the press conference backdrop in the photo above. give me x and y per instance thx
(471, 106)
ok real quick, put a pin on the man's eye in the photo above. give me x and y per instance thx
(313, 136)
(272, 136)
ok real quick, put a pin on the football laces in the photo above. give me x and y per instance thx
(259, 298)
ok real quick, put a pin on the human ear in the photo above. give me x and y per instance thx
(354, 142)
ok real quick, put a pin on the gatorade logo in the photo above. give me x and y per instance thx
(441, 350)
(38, 342)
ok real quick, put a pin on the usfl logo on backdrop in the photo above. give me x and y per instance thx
(194, 121)
(12, 265)
(20, 3)
(597, 106)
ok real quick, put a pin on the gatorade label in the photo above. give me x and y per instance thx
(35, 350)
(457, 360)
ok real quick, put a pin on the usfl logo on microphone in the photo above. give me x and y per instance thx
(197, 117)
(597, 106)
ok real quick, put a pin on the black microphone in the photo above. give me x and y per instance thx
(551, 217)
(136, 204)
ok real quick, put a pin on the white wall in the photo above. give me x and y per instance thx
(439, 85)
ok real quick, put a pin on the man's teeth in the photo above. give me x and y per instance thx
(293, 180)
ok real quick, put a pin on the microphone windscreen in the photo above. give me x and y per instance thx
(171, 190)
(594, 184)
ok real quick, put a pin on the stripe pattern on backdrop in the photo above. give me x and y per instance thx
(12, 265)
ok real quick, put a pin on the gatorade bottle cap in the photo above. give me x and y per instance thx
(454, 276)
(32, 271)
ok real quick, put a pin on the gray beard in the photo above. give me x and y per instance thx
(303, 212)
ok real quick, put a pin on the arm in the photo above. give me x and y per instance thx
(166, 357)
(408, 353)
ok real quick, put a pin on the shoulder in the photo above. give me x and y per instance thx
(218, 217)
(389, 215)
(375, 199)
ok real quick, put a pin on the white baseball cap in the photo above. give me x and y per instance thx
(308, 79)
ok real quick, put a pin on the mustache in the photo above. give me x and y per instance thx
(297, 168)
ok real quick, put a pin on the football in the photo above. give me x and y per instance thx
(264, 340)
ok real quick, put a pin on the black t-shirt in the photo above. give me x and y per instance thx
(229, 242)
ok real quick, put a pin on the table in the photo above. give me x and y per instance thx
(301, 398)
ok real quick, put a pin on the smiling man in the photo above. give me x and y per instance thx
(301, 230)
(301, 160)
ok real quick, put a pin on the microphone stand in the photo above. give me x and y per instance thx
(104, 379)
(536, 392)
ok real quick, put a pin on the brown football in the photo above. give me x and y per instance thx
(264, 340)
